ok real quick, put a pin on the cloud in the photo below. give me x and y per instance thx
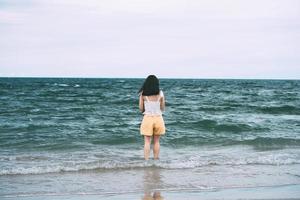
(134, 38)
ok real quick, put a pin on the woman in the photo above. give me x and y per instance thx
(152, 104)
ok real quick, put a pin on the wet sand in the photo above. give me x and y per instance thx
(288, 192)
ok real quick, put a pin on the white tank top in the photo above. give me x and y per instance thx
(153, 107)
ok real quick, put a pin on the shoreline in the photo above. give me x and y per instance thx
(211, 182)
(290, 192)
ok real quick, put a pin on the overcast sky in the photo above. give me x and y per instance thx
(134, 38)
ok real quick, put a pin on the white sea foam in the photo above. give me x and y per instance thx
(42, 164)
(61, 84)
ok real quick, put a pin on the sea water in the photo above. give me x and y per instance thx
(62, 136)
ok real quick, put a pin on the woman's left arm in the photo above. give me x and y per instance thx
(141, 104)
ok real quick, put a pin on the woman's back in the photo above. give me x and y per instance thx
(153, 105)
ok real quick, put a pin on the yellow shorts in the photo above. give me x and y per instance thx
(152, 125)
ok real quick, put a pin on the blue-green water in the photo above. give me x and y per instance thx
(51, 125)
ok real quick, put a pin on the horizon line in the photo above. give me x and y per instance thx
(107, 77)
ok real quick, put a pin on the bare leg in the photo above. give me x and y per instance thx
(156, 195)
(147, 147)
(156, 147)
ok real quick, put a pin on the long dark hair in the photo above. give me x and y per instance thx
(150, 86)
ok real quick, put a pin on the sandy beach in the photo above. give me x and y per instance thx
(286, 192)
(212, 182)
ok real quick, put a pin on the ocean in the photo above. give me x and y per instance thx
(78, 136)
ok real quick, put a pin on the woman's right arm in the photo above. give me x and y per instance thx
(141, 104)
(162, 103)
